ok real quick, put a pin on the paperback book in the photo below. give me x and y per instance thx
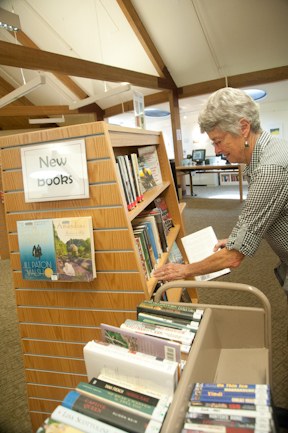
(148, 155)
(58, 249)
(134, 342)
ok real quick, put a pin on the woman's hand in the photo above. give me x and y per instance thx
(220, 244)
(171, 271)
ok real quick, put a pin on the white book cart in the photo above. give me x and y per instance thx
(232, 345)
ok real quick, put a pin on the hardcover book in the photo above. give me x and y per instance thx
(58, 249)
(148, 155)
(160, 375)
(124, 399)
(82, 422)
(110, 414)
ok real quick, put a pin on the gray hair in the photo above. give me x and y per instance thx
(224, 110)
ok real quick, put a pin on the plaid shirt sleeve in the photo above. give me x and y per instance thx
(265, 212)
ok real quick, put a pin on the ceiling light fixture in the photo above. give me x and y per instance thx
(94, 98)
(156, 112)
(47, 120)
(23, 90)
(9, 21)
(256, 94)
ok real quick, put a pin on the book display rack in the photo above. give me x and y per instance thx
(56, 319)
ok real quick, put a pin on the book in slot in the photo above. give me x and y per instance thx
(110, 414)
(146, 176)
(148, 155)
(162, 231)
(136, 176)
(134, 342)
(152, 233)
(198, 246)
(144, 251)
(145, 232)
(169, 322)
(131, 199)
(136, 402)
(58, 249)
(161, 204)
(147, 370)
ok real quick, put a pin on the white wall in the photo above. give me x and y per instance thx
(272, 115)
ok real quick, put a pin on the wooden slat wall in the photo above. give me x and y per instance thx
(4, 249)
(57, 319)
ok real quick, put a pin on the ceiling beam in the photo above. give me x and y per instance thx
(33, 110)
(31, 58)
(140, 31)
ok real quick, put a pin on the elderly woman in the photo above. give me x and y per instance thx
(231, 120)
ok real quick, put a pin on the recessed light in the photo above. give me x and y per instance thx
(256, 94)
(155, 112)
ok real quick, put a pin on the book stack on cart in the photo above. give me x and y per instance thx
(133, 372)
(229, 408)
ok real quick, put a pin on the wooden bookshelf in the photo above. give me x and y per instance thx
(56, 319)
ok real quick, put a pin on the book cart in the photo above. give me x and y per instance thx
(232, 345)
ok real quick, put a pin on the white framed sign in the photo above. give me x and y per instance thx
(55, 171)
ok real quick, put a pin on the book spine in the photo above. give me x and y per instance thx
(125, 420)
(166, 321)
(185, 337)
(234, 387)
(203, 405)
(206, 428)
(137, 406)
(230, 420)
(82, 422)
(255, 412)
(189, 313)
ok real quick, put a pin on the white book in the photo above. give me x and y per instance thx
(82, 422)
(105, 358)
(198, 246)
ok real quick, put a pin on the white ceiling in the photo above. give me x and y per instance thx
(198, 41)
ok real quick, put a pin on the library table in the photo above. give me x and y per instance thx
(216, 168)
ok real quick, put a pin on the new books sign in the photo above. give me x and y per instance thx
(55, 171)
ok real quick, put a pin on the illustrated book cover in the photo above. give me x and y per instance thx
(58, 249)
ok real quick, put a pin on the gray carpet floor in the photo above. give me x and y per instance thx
(199, 213)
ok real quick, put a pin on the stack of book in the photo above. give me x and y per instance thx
(231, 408)
(133, 372)
(151, 229)
(139, 173)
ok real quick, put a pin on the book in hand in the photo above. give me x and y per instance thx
(116, 395)
(134, 342)
(110, 414)
(82, 422)
(138, 368)
(57, 249)
(198, 246)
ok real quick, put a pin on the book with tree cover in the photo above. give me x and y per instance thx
(163, 349)
(57, 249)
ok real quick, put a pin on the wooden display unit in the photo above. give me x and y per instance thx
(56, 319)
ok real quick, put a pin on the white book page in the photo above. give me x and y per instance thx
(198, 246)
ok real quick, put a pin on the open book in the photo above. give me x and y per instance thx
(198, 246)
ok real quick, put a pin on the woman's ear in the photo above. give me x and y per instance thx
(245, 127)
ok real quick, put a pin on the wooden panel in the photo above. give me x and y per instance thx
(102, 217)
(110, 261)
(95, 149)
(100, 195)
(53, 363)
(103, 240)
(73, 317)
(57, 379)
(71, 299)
(104, 281)
(42, 405)
(123, 140)
(60, 333)
(37, 419)
(72, 350)
(40, 391)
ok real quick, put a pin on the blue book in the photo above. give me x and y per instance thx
(37, 249)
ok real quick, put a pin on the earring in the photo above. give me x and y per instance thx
(246, 144)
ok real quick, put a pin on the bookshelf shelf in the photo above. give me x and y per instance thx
(55, 317)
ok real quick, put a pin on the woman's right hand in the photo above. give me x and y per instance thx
(220, 244)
